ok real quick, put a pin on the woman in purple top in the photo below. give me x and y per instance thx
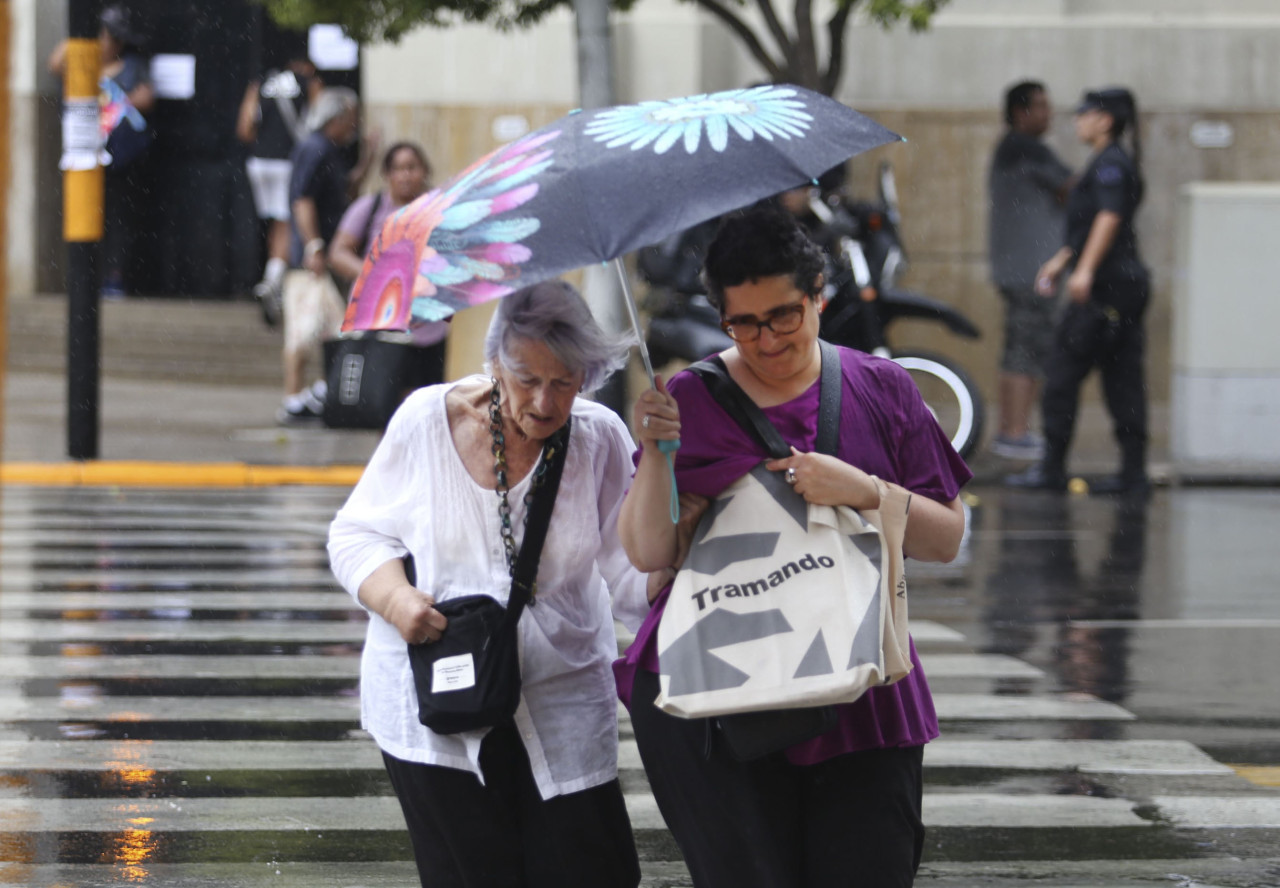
(844, 808)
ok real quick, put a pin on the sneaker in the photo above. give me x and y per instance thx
(269, 296)
(1037, 478)
(301, 414)
(1028, 446)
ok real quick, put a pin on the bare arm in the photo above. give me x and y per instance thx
(1102, 234)
(307, 221)
(344, 257)
(1047, 276)
(388, 594)
(143, 97)
(934, 529)
(57, 62)
(247, 118)
(644, 525)
(369, 146)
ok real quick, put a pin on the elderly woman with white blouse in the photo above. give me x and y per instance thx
(535, 802)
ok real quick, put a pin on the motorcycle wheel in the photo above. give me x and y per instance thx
(952, 397)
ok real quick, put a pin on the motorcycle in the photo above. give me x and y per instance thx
(861, 301)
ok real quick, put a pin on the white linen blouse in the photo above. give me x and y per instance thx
(416, 496)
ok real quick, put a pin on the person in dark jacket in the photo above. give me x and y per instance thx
(1108, 287)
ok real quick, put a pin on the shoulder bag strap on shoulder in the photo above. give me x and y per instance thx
(747, 414)
(367, 236)
(738, 404)
(829, 393)
(535, 529)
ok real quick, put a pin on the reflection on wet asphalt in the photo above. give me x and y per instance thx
(179, 678)
(1166, 607)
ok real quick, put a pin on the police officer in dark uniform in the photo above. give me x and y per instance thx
(1107, 292)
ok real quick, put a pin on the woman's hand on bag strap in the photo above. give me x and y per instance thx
(827, 481)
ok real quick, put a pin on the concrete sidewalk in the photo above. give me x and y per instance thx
(188, 384)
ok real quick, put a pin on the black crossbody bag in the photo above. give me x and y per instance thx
(751, 735)
(470, 678)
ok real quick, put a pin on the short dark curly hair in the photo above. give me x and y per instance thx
(759, 242)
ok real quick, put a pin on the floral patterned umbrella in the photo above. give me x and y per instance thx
(592, 187)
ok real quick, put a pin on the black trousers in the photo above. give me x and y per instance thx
(849, 822)
(502, 834)
(1105, 332)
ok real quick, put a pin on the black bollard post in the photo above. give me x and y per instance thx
(82, 224)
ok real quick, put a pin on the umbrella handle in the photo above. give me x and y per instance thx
(665, 447)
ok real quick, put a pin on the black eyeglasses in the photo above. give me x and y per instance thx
(782, 320)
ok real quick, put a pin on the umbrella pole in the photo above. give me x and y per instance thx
(634, 314)
(667, 447)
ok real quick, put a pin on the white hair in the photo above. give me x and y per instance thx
(554, 313)
(331, 102)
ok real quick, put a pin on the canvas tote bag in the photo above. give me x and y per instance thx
(783, 604)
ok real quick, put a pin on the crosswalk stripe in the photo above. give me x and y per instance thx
(350, 629)
(1167, 757)
(1147, 757)
(273, 575)
(941, 810)
(268, 872)
(1040, 811)
(124, 561)
(1206, 812)
(937, 665)
(953, 707)
(89, 707)
(190, 755)
(996, 707)
(240, 666)
(985, 707)
(18, 602)
(157, 666)
(228, 592)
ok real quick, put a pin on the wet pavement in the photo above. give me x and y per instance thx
(178, 699)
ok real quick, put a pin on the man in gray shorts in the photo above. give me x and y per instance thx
(1027, 185)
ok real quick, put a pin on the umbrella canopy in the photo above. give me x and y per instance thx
(592, 187)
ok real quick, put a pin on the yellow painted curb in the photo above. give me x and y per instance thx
(166, 474)
(1263, 775)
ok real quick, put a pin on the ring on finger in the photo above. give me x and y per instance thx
(791, 475)
(645, 422)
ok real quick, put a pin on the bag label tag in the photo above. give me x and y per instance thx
(453, 674)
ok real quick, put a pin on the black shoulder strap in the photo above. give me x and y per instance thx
(829, 390)
(366, 239)
(535, 528)
(738, 404)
